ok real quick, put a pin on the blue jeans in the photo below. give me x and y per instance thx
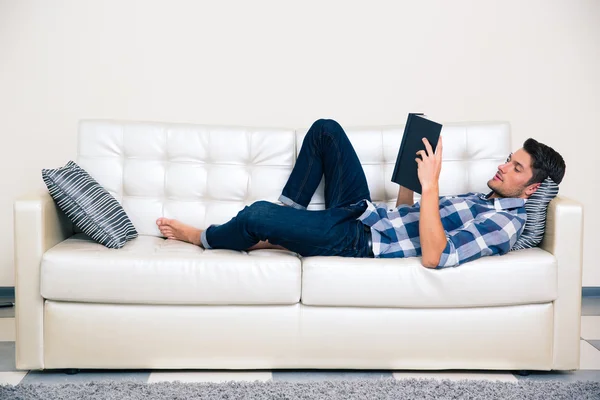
(334, 231)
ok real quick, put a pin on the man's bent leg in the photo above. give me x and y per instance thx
(308, 233)
(326, 150)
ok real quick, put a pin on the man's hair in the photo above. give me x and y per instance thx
(546, 162)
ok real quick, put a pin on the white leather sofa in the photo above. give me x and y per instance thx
(164, 304)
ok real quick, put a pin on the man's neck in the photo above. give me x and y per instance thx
(495, 195)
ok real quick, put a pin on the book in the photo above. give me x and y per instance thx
(417, 127)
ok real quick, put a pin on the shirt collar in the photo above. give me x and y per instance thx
(504, 203)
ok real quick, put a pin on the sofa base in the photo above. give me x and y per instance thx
(118, 336)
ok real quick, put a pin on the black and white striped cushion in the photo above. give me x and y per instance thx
(91, 208)
(536, 207)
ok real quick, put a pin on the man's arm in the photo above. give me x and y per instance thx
(405, 196)
(490, 233)
(431, 231)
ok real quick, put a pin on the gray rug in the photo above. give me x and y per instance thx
(352, 389)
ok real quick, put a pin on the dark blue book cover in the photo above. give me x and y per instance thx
(417, 127)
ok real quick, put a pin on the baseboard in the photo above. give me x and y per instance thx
(590, 291)
(7, 294)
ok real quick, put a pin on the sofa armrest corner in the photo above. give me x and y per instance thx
(563, 234)
(563, 238)
(38, 226)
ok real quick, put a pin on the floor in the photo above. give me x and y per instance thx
(589, 367)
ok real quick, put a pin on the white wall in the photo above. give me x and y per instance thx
(278, 63)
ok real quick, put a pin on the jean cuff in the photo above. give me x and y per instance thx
(203, 239)
(289, 202)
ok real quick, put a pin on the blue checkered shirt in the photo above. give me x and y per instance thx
(475, 226)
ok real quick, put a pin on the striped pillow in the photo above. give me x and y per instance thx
(91, 208)
(536, 207)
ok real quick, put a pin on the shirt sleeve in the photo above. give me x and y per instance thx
(488, 234)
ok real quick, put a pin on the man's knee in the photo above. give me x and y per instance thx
(327, 123)
(255, 211)
(262, 206)
(328, 127)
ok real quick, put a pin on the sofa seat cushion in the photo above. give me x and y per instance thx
(519, 277)
(151, 270)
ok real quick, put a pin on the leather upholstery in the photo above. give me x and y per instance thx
(156, 271)
(164, 304)
(296, 336)
(152, 270)
(564, 240)
(199, 174)
(522, 277)
(205, 174)
(472, 153)
(39, 225)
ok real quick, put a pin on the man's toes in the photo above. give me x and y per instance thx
(162, 221)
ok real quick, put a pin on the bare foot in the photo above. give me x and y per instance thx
(173, 229)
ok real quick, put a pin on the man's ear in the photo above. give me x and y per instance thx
(532, 188)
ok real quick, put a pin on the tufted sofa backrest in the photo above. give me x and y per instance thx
(206, 174)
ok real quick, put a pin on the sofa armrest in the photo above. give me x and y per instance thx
(563, 238)
(38, 225)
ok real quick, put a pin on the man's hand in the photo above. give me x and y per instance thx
(430, 166)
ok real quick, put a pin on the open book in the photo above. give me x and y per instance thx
(417, 127)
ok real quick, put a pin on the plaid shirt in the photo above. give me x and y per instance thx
(475, 226)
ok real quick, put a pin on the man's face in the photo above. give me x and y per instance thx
(512, 177)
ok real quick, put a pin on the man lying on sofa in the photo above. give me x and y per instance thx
(446, 231)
